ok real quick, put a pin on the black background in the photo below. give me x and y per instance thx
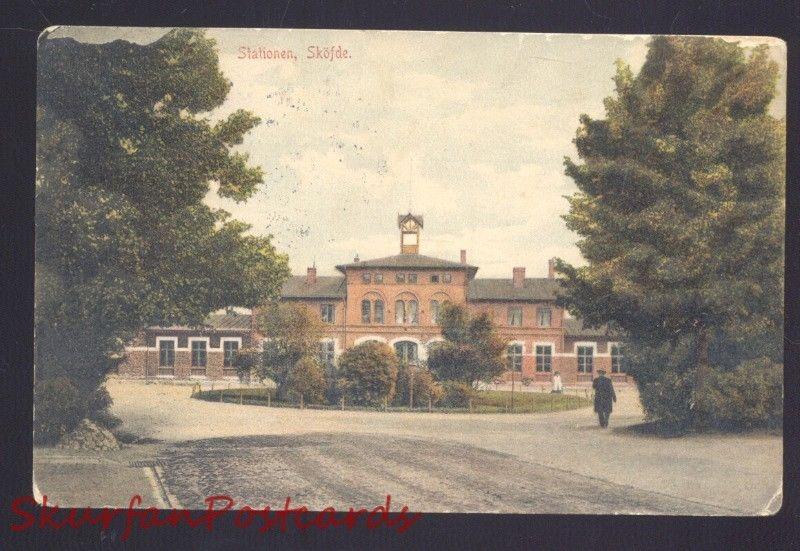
(20, 24)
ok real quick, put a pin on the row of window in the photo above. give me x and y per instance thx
(406, 351)
(399, 277)
(166, 356)
(544, 358)
(407, 313)
(544, 316)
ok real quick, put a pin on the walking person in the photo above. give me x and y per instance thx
(604, 395)
(558, 388)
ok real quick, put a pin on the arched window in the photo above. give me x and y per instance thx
(413, 312)
(399, 312)
(379, 311)
(434, 311)
(366, 306)
(407, 351)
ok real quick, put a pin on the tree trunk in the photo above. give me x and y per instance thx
(702, 368)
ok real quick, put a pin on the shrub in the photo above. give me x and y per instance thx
(307, 379)
(526, 381)
(747, 397)
(424, 384)
(246, 362)
(457, 394)
(58, 408)
(368, 373)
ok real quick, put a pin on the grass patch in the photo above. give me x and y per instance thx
(485, 401)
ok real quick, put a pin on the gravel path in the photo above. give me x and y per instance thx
(334, 470)
(455, 462)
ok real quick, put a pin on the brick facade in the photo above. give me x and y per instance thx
(523, 309)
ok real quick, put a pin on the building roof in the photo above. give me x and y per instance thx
(403, 217)
(418, 261)
(325, 287)
(229, 321)
(533, 289)
(574, 328)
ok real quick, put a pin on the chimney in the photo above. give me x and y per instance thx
(463, 256)
(311, 276)
(519, 277)
(551, 268)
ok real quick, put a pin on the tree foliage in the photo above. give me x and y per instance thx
(680, 213)
(368, 373)
(125, 157)
(306, 381)
(472, 350)
(291, 333)
(421, 381)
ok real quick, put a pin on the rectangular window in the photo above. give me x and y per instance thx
(412, 278)
(400, 278)
(544, 317)
(448, 278)
(328, 313)
(515, 315)
(544, 358)
(435, 278)
(366, 277)
(616, 359)
(378, 278)
(327, 354)
(199, 357)
(585, 359)
(229, 349)
(166, 357)
(514, 357)
(366, 310)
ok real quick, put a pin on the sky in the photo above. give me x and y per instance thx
(468, 129)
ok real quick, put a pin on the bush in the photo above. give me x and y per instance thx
(425, 386)
(526, 381)
(750, 396)
(368, 373)
(246, 362)
(58, 408)
(745, 396)
(457, 394)
(305, 379)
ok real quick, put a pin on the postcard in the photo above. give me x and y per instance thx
(414, 272)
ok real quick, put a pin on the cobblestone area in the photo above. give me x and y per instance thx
(342, 471)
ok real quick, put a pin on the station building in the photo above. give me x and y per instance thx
(395, 300)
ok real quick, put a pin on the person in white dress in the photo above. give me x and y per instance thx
(557, 386)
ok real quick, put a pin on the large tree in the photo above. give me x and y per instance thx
(680, 212)
(126, 154)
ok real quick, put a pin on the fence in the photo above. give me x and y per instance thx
(549, 403)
